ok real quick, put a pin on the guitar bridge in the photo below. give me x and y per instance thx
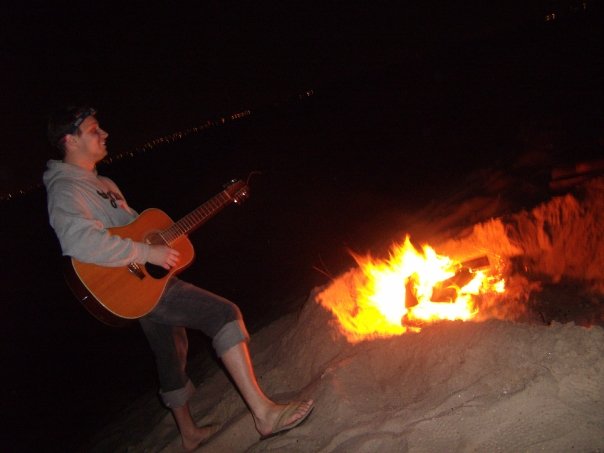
(135, 269)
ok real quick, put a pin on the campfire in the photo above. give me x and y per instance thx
(498, 269)
(409, 290)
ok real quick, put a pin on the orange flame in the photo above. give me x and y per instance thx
(410, 289)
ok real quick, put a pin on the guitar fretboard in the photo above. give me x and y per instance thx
(197, 217)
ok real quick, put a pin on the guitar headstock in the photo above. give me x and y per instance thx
(237, 190)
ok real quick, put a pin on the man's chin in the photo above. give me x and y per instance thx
(102, 156)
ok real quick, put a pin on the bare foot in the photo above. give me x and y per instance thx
(283, 417)
(198, 436)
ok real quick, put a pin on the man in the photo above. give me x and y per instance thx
(82, 205)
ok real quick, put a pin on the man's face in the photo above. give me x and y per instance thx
(91, 143)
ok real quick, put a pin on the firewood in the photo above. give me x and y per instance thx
(446, 291)
(477, 263)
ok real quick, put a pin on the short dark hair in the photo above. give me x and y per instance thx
(66, 121)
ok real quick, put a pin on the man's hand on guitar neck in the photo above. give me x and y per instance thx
(164, 256)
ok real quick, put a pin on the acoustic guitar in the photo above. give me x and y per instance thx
(115, 295)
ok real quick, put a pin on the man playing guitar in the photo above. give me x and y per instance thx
(83, 207)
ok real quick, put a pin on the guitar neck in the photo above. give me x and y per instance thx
(197, 217)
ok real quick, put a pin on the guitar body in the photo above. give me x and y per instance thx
(116, 294)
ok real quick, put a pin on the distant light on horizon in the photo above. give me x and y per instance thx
(179, 135)
(550, 17)
(152, 144)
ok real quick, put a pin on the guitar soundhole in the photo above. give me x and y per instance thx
(156, 271)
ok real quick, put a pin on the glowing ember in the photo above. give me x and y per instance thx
(410, 289)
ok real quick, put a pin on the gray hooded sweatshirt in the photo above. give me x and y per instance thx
(81, 206)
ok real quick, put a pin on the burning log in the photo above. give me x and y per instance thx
(476, 263)
(446, 291)
(410, 297)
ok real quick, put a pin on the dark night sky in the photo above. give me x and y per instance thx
(152, 70)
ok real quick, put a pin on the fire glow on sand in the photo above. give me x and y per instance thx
(410, 289)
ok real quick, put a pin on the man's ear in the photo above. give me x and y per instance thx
(70, 140)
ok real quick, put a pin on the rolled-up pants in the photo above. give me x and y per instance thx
(183, 306)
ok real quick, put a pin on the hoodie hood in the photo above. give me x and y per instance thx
(57, 169)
